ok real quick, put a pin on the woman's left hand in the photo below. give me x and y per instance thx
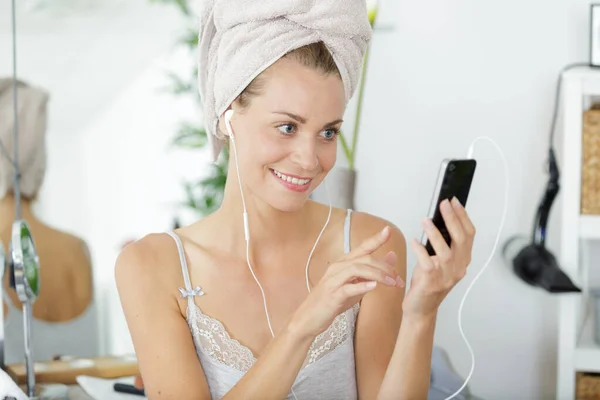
(435, 276)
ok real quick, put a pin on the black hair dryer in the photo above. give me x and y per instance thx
(530, 260)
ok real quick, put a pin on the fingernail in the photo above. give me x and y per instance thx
(385, 231)
(399, 281)
(446, 204)
(427, 223)
(456, 203)
(390, 281)
(371, 285)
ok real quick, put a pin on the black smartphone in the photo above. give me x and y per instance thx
(454, 180)
(130, 389)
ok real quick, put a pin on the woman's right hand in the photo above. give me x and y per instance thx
(345, 283)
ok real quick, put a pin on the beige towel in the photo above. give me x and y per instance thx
(241, 38)
(31, 111)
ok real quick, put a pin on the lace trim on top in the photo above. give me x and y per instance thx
(211, 338)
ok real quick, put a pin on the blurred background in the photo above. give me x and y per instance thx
(126, 156)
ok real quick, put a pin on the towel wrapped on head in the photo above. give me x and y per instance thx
(32, 104)
(239, 39)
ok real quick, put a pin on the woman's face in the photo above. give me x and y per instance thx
(286, 139)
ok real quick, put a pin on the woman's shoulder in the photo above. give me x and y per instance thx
(147, 261)
(365, 225)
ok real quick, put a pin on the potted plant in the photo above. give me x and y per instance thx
(342, 180)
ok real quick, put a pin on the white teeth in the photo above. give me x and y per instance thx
(293, 181)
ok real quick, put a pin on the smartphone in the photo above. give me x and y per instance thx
(454, 180)
(130, 389)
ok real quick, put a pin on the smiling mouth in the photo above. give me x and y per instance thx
(292, 180)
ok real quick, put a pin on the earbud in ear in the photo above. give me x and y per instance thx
(228, 115)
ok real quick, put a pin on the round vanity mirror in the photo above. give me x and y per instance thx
(26, 265)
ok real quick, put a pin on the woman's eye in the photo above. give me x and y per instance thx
(286, 129)
(329, 134)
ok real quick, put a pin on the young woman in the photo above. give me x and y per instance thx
(285, 317)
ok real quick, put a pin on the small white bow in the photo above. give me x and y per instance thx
(197, 291)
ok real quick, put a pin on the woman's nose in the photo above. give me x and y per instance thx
(305, 154)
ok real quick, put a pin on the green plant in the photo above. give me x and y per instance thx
(203, 195)
(350, 150)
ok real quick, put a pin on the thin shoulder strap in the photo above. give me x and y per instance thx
(347, 232)
(187, 292)
(182, 260)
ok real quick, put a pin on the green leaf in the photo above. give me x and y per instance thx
(216, 181)
(189, 39)
(190, 136)
(178, 85)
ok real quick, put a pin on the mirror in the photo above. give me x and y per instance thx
(89, 98)
(25, 266)
(54, 274)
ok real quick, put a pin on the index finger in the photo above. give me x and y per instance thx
(369, 245)
(464, 219)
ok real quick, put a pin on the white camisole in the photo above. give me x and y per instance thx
(328, 371)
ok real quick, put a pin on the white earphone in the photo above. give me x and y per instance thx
(227, 116)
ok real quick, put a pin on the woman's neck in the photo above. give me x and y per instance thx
(8, 209)
(269, 228)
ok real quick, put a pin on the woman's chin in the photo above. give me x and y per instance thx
(290, 204)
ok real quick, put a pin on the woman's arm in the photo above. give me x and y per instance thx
(408, 373)
(161, 337)
(380, 316)
(276, 369)
(393, 351)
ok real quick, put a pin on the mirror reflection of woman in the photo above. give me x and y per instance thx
(64, 314)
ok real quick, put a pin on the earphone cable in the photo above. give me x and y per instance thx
(503, 218)
(228, 115)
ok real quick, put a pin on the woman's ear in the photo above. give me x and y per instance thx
(225, 122)
(221, 126)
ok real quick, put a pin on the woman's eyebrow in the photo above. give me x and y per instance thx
(298, 118)
(302, 120)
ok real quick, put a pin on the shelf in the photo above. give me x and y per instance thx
(587, 353)
(589, 78)
(589, 227)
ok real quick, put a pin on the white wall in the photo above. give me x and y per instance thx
(134, 178)
(446, 73)
(450, 71)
